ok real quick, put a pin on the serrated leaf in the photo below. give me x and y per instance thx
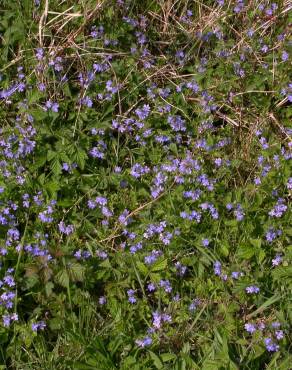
(81, 157)
(231, 223)
(282, 272)
(49, 288)
(76, 271)
(142, 268)
(156, 360)
(245, 252)
(167, 357)
(56, 167)
(62, 278)
(51, 155)
(159, 265)
(256, 242)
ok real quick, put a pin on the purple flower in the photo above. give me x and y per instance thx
(102, 201)
(165, 284)
(101, 254)
(277, 260)
(239, 213)
(166, 237)
(181, 269)
(176, 123)
(97, 152)
(193, 306)
(65, 229)
(252, 289)
(9, 280)
(102, 300)
(261, 326)
(38, 325)
(39, 53)
(217, 268)
(106, 212)
(270, 345)
(285, 56)
(159, 318)
(87, 101)
(276, 325)
(123, 218)
(257, 181)
(131, 297)
(150, 259)
(65, 167)
(53, 106)
(205, 242)
(235, 274)
(138, 170)
(279, 209)
(6, 320)
(91, 204)
(250, 32)
(45, 215)
(145, 342)
(143, 112)
(151, 287)
(279, 334)
(250, 328)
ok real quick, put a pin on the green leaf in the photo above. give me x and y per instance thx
(49, 288)
(245, 252)
(231, 223)
(55, 323)
(256, 242)
(142, 268)
(167, 357)
(159, 265)
(224, 249)
(62, 278)
(282, 272)
(51, 154)
(156, 360)
(56, 167)
(81, 157)
(76, 271)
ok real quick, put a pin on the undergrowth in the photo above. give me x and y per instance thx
(145, 184)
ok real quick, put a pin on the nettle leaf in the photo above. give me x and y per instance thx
(156, 360)
(62, 278)
(56, 167)
(51, 155)
(81, 157)
(245, 252)
(55, 323)
(76, 271)
(39, 162)
(142, 268)
(166, 357)
(231, 223)
(159, 265)
(282, 273)
(256, 242)
(52, 187)
(49, 288)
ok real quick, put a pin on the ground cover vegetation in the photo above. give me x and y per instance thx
(145, 184)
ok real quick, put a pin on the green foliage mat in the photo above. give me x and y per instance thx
(145, 184)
